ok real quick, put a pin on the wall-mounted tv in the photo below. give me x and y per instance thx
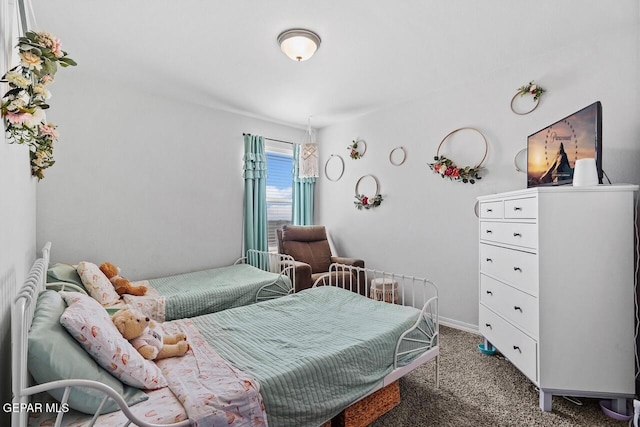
(552, 152)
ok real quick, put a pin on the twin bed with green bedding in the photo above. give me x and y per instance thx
(209, 291)
(259, 276)
(312, 353)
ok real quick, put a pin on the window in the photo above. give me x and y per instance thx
(279, 189)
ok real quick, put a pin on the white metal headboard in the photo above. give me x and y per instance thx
(22, 310)
(21, 318)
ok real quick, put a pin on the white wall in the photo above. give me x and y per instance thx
(17, 244)
(426, 225)
(150, 185)
(17, 221)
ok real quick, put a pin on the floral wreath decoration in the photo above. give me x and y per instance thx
(365, 202)
(353, 149)
(528, 89)
(532, 89)
(368, 202)
(23, 105)
(448, 169)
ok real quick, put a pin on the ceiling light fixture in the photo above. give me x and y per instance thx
(299, 44)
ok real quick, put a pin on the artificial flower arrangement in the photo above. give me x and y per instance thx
(24, 103)
(447, 169)
(353, 149)
(367, 202)
(533, 89)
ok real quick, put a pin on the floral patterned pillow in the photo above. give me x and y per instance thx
(92, 327)
(97, 284)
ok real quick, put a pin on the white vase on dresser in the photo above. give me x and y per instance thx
(557, 288)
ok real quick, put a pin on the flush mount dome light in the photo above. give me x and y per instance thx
(299, 44)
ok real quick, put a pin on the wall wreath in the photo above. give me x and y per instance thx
(447, 167)
(357, 149)
(520, 160)
(368, 202)
(338, 174)
(528, 89)
(397, 162)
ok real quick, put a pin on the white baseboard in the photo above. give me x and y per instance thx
(467, 327)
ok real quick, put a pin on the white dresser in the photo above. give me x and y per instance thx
(557, 287)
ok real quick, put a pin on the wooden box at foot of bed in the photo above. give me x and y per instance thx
(294, 361)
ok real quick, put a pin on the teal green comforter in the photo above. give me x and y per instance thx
(313, 352)
(208, 291)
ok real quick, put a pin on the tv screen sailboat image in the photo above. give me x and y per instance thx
(552, 152)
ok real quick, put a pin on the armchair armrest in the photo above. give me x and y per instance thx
(348, 261)
(303, 275)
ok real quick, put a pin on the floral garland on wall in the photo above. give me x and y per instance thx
(447, 169)
(24, 103)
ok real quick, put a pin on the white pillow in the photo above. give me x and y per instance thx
(92, 327)
(97, 284)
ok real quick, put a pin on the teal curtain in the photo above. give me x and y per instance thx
(255, 194)
(303, 189)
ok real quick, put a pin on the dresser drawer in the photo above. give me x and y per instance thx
(512, 304)
(492, 210)
(512, 343)
(517, 268)
(510, 233)
(526, 208)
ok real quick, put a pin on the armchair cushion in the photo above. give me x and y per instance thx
(308, 244)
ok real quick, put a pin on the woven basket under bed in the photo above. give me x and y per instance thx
(367, 410)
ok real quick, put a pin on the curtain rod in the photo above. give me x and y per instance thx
(271, 139)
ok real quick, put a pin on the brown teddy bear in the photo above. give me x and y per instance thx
(122, 285)
(146, 337)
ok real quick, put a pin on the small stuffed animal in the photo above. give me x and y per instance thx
(122, 285)
(146, 337)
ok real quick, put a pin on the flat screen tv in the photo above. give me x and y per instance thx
(552, 152)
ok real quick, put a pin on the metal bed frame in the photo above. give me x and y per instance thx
(23, 309)
(282, 264)
(423, 337)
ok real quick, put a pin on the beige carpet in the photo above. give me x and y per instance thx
(479, 390)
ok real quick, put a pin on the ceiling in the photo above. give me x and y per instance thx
(223, 53)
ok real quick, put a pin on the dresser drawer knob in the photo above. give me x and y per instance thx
(517, 235)
(517, 269)
(488, 231)
(489, 293)
(515, 307)
(515, 347)
(489, 260)
(517, 208)
(489, 210)
(488, 325)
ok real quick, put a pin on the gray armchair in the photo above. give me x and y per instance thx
(309, 247)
